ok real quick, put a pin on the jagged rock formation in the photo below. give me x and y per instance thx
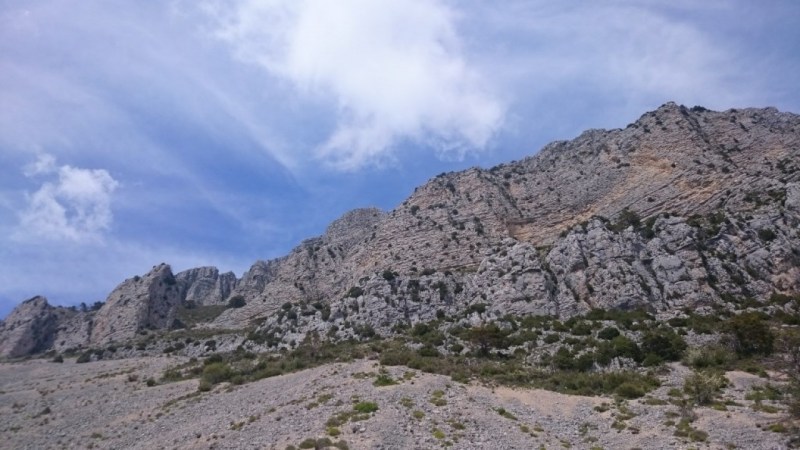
(683, 208)
(139, 303)
(29, 328)
(205, 286)
(35, 326)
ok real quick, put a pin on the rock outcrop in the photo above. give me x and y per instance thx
(203, 286)
(139, 303)
(28, 329)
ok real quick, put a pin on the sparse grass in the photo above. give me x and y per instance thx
(417, 414)
(457, 425)
(384, 379)
(505, 413)
(684, 429)
(199, 314)
(654, 401)
(437, 398)
(603, 407)
(365, 407)
(778, 428)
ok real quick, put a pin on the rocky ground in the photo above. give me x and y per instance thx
(110, 404)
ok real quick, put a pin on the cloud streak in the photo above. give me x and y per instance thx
(395, 71)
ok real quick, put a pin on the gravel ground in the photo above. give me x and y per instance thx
(107, 404)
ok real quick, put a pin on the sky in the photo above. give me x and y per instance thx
(221, 132)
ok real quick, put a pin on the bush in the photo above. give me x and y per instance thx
(216, 372)
(487, 337)
(608, 333)
(388, 275)
(751, 334)
(629, 390)
(355, 292)
(766, 235)
(624, 347)
(665, 343)
(703, 387)
(581, 329)
(383, 379)
(707, 357)
(365, 407)
(84, 357)
(58, 359)
(236, 301)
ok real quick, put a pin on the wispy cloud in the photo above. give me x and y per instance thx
(395, 70)
(71, 204)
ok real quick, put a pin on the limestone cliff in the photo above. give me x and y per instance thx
(205, 286)
(683, 208)
(139, 303)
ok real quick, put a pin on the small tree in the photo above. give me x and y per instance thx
(703, 387)
(751, 334)
(487, 337)
(664, 343)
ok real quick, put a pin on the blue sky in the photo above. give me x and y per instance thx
(220, 132)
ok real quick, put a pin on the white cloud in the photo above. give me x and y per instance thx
(76, 206)
(395, 71)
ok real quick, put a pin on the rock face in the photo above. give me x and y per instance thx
(683, 208)
(204, 286)
(28, 329)
(139, 303)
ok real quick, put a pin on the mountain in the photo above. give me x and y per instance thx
(686, 208)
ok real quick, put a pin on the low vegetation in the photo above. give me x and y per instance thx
(570, 357)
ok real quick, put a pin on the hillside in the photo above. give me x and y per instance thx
(647, 277)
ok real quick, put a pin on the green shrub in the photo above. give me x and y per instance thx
(630, 390)
(651, 359)
(355, 292)
(309, 443)
(383, 379)
(581, 328)
(678, 322)
(365, 407)
(216, 372)
(663, 342)
(488, 337)
(703, 387)
(608, 333)
(766, 235)
(751, 334)
(707, 357)
(624, 347)
(236, 301)
(551, 338)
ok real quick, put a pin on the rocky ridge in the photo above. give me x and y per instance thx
(683, 208)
